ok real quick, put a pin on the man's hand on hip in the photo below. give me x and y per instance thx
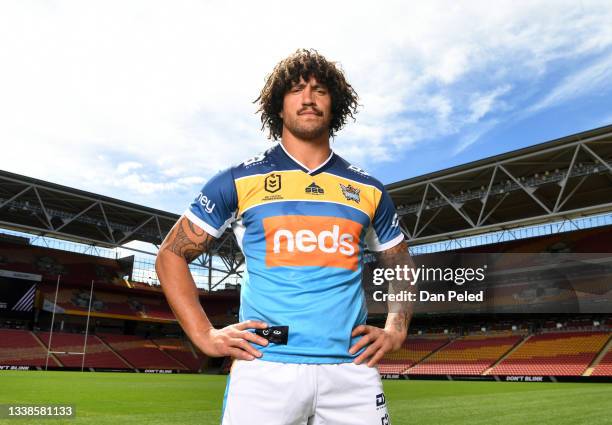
(378, 341)
(233, 340)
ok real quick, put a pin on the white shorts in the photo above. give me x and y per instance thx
(271, 393)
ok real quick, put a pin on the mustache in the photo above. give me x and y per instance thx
(310, 108)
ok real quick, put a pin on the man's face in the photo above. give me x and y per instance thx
(307, 110)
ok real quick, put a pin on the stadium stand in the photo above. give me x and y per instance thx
(604, 368)
(74, 268)
(98, 355)
(413, 351)
(141, 353)
(128, 304)
(594, 240)
(21, 348)
(182, 351)
(468, 355)
(75, 300)
(554, 353)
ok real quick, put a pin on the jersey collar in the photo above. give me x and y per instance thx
(305, 168)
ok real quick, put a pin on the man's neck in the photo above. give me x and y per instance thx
(312, 154)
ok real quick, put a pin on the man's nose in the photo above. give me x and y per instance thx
(307, 98)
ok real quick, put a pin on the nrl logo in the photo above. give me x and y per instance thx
(350, 193)
(272, 183)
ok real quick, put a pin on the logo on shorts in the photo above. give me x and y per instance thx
(350, 192)
(380, 400)
(297, 240)
(385, 420)
(272, 183)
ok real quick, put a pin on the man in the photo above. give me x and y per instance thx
(302, 216)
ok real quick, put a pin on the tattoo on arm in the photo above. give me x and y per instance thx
(391, 258)
(187, 240)
(400, 322)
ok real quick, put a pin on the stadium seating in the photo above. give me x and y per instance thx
(157, 309)
(75, 300)
(140, 352)
(560, 353)
(20, 348)
(468, 355)
(413, 351)
(73, 267)
(97, 355)
(604, 368)
(181, 350)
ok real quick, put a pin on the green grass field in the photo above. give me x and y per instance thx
(127, 398)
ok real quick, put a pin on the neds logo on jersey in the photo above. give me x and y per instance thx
(298, 240)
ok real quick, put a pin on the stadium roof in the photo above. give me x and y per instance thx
(49, 209)
(562, 178)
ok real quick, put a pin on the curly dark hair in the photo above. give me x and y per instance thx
(305, 63)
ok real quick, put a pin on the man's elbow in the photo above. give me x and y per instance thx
(160, 266)
(168, 263)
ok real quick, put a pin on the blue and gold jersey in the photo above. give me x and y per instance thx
(303, 234)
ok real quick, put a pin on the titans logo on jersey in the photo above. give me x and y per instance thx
(303, 233)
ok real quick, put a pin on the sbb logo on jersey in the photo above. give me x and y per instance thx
(298, 240)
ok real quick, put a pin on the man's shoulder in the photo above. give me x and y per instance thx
(353, 172)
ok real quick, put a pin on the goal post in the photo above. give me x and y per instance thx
(76, 353)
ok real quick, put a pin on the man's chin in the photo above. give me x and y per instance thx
(308, 134)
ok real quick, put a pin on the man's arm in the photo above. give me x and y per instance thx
(184, 243)
(391, 338)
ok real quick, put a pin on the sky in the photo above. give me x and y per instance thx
(144, 100)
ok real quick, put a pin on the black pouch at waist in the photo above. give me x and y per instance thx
(275, 334)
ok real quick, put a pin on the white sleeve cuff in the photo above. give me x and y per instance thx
(387, 245)
(203, 225)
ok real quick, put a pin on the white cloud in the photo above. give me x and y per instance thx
(473, 135)
(587, 80)
(126, 167)
(145, 100)
(482, 103)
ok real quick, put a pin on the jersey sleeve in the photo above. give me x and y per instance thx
(214, 208)
(384, 231)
